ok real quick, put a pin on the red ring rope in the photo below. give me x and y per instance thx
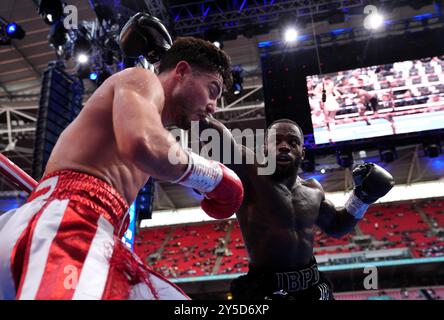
(16, 175)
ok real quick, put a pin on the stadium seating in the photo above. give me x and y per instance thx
(435, 210)
(236, 259)
(217, 247)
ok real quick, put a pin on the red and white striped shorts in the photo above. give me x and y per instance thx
(64, 243)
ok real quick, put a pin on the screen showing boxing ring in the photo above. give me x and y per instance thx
(391, 99)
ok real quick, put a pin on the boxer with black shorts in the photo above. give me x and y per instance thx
(365, 101)
(279, 212)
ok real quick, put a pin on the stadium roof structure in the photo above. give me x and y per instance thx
(23, 62)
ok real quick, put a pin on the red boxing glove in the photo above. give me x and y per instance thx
(226, 198)
(222, 188)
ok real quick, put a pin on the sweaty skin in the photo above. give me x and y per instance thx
(279, 211)
(119, 136)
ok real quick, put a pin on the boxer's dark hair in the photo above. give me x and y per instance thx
(285, 121)
(200, 54)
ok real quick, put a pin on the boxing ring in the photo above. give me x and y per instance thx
(15, 175)
(383, 123)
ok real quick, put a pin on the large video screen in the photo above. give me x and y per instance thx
(391, 99)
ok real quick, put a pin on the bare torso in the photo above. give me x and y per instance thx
(363, 96)
(277, 223)
(88, 145)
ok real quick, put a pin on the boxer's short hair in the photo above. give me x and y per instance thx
(199, 53)
(285, 121)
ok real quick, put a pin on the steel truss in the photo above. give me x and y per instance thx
(196, 17)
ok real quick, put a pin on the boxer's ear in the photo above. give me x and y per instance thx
(182, 68)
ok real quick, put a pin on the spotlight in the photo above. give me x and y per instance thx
(82, 58)
(323, 171)
(93, 76)
(290, 35)
(374, 21)
(344, 158)
(50, 10)
(217, 44)
(10, 28)
(14, 31)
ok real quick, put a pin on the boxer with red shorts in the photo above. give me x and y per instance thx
(64, 243)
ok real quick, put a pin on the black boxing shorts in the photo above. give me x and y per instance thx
(372, 105)
(307, 283)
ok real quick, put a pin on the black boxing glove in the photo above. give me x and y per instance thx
(371, 183)
(145, 35)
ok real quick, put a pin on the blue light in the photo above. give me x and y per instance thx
(242, 5)
(206, 11)
(128, 237)
(93, 76)
(11, 28)
(318, 177)
(339, 31)
(265, 44)
(10, 203)
(303, 37)
(437, 164)
(422, 16)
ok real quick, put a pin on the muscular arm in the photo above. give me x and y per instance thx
(228, 143)
(140, 136)
(336, 223)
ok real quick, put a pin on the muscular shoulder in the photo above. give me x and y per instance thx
(313, 183)
(315, 186)
(140, 80)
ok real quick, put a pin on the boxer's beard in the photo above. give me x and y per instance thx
(182, 120)
(289, 170)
